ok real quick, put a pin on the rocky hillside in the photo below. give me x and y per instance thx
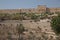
(39, 30)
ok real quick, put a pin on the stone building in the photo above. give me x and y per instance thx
(38, 9)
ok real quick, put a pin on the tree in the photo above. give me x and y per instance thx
(9, 36)
(20, 30)
(55, 24)
(43, 15)
(35, 17)
(4, 16)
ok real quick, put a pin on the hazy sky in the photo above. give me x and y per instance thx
(4, 4)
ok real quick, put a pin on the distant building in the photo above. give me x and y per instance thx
(39, 9)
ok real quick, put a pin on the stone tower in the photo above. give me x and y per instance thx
(41, 8)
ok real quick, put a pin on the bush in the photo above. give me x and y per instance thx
(20, 30)
(55, 24)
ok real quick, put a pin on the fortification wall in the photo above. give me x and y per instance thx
(10, 11)
(39, 9)
(54, 10)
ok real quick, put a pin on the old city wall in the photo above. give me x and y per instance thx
(10, 11)
(38, 9)
(54, 10)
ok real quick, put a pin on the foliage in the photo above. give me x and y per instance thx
(20, 16)
(43, 16)
(55, 24)
(15, 16)
(9, 36)
(33, 16)
(20, 30)
(4, 16)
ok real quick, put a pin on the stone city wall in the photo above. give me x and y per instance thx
(38, 9)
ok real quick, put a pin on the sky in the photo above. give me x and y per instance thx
(15, 4)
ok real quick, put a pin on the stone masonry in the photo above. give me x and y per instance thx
(38, 9)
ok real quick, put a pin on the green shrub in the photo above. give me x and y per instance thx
(55, 24)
